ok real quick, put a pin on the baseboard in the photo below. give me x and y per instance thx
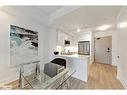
(114, 65)
(122, 80)
(8, 80)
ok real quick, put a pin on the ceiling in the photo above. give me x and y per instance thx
(88, 18)
(44, 9)
(40, 14)
(49, 9)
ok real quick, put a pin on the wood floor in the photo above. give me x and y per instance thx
(101, 76)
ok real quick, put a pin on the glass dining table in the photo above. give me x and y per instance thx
(51, 76)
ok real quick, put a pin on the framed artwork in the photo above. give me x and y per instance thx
(23, 45)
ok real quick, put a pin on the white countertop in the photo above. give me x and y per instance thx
(75, 56)
(79, 63)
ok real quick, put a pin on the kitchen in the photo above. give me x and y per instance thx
(76, 50)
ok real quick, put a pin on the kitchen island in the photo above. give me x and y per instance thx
(80, 63)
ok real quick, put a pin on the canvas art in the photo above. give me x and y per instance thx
(23, 45)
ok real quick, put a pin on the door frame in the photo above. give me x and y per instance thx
(95, 44)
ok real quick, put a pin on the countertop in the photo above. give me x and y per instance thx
(75, 56)
(79, 63)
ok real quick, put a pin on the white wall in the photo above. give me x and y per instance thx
(122, 47)
(114, 49)
(53, 36)
(81, 37)
(104, 33)
(114, 42)
(6, 72)
(92, 47)
(85, 36)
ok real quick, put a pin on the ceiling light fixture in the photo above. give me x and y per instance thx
(78, 30)
(103, 27)
(122, 25)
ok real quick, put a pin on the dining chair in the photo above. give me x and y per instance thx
(59, 61)
(62, 62)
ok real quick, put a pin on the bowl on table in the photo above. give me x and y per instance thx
(56, 52)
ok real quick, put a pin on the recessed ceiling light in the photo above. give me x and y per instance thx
(122, 25)
(103, 27)
(78, 30)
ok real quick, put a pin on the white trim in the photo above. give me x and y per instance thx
(122, 80)
(8, 80)
(121, 11)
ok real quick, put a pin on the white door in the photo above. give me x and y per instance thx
(103, 47)
(122, 44)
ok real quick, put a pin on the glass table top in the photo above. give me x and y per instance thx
(52, 76)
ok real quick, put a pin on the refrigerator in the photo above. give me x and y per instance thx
(84, 47)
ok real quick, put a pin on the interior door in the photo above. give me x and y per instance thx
(103, 48)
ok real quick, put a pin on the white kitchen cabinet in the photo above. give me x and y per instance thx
(79, 63)
(62, 37)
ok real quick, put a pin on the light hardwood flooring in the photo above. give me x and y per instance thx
(101, 76)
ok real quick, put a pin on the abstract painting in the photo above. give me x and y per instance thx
(23, 45)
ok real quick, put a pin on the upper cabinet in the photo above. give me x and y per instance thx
(73, 40)
(81, 37)
(62, 37)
